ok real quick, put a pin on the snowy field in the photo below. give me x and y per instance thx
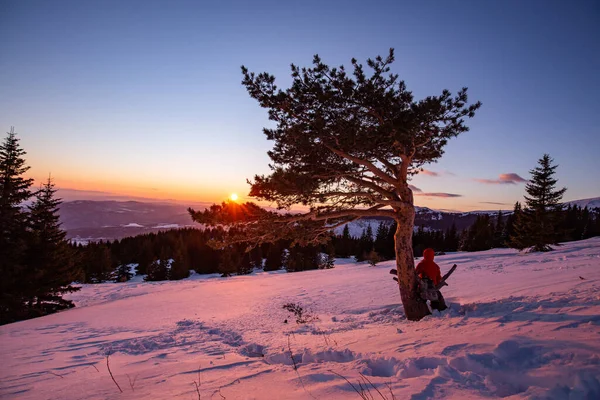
(519, 326)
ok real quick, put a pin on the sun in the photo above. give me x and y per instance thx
(233, 196)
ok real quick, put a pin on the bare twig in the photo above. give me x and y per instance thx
(361, 394)
(96, 368)
(199, 383)
(367, 392)
(389, 385)
(110, 372)
(296, 369)
(52, 373)
(132, 383)
(197, 390)
(219, 392)
(371, 383)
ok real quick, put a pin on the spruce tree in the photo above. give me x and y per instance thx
(230, 261)
(380, 244)
(96, 263)
(50, 260)
(536, 228)
(274, 259)
(180, 265)
(344, 249)
(499, 238)
(14, 190)
(510, 226)
(328, 259)
(123, 272)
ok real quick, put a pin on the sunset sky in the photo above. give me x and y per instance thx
(143, 99)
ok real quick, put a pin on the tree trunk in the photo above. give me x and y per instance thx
(414, 308)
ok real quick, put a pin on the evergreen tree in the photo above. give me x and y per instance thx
(50, 260)
(246, 266)
(275, 256)
(536, 227)
(373, 258)
(345, 146)
(123, 272)
(479, 236)
(451, 239)
(158, 270)
(328, 260)
(230, 261)
(96, 263)
(345, 243)
(301, 258)
(510, 226)
(365, 244)
(380, 244)
(499, 238)
(14, 190)
(179, 266)
(256, 258)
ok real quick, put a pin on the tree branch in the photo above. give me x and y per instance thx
(369, 165)
(361, 182)
(365, 195)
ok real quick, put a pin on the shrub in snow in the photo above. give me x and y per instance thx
(302, 315)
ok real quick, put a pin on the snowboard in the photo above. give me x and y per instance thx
(439, 285)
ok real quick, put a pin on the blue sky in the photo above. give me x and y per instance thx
(143, 98)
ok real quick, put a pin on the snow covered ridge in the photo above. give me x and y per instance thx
(590, 203)
(523, 326)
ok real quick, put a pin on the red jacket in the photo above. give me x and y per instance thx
(428, 268)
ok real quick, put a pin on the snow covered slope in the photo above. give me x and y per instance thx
(589, 203)
(519, 326)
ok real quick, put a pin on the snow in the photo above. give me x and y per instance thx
(589, 203)
(167, 226)
(520, 326)
(356, 228)
(132, 225)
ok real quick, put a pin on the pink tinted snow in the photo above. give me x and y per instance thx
(519, 326)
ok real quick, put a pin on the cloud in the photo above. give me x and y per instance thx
(445, 195)
(504, 179)
(429, 173)
(415, 189)
(493, 202)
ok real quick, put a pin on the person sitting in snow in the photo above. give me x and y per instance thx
(427, 269)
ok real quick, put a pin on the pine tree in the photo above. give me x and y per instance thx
(274, 259)
(510, 226)
(479, 236)
(50, 259)
(158, 270)
(499, 238)
(256, 258)
(451, 239)
(180, 265)
(328, 260)
(230, 261)
(536, 226)
(345, 243)
(123, 272)
(365, 244)
(246, 266)
(373, 258)
(96, 263)
(380, 244)
(14, 190)
(346, 144)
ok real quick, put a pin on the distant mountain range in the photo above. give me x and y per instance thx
(88, 220)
